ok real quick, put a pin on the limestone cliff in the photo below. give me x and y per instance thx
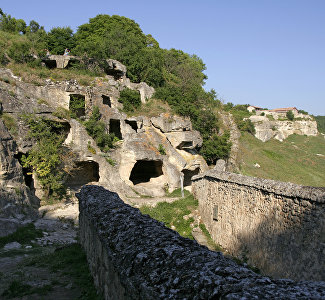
(280, 130)
(153, 154)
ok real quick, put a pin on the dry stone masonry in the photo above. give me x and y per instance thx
(278, 227)
(132, 256)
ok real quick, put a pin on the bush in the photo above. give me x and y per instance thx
(290, 115)
(97, 130)
(130, 99)
(215, 148)
(48, 158)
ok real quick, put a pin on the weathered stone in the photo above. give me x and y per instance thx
(16, 199)
(265, 221)
(12, 246)
(132, 256)
(280, 130)
(169, 123)
(185, 139)
(220, 166)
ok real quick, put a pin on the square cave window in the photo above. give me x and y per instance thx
(115, 127)
(77, 105)
(107, 100)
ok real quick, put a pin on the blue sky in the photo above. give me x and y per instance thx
(269, 53)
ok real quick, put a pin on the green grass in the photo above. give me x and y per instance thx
(293, 160)
(178, 193)
(10, 123)
(70, 261)
(171, 214)
(23, 235)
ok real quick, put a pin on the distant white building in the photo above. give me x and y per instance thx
(251, 108)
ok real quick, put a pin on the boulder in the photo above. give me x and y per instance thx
(169, 123)
(185, 139)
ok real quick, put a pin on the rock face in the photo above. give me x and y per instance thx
(150, 158)
(132, 256)
(17, 204)
(265, 222)
(280, 130)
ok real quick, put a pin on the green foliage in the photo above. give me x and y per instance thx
(241, 115)
(77, 106)
(320, 123)
(111, 37)
(60, 38)
(47, 158)
(301, 111)
(215, 148)
(290, 115)
(20, 51)
(10, 123)
(130, 99)
(9, 24)
(97, 130)
(22, 235)
(161, 149)
(172, 214)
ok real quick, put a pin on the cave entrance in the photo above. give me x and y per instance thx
(133, 124)
(107, 100)
(188, 174)
(83, 173)
(27, 172)
(115, 127)
(77, 105)
(144, 170)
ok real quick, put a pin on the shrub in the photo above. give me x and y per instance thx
(161, 149)
(290, 115)
(48, 158)
(97, 130)
(130, 99)
(215, 148)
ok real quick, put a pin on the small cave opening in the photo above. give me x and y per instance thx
(115, 127)
(133, 124)
(188, 174)
(27, 172)
(77, 105)
(107, 100)
(50, 63)
(144, 170)
(83, 173)
(185, 145)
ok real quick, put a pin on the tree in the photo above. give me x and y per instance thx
(60, 38)
(290, 115)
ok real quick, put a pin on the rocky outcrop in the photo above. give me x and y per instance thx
(230, 125)
(280, 130)
(266, 223)
(165, 147)
(17, 204)
(132, 256)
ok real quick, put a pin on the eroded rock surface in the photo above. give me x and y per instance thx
(280, 130)
(17, 204)
(133, 256)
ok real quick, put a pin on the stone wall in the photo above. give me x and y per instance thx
(132, 256)
(278, 227)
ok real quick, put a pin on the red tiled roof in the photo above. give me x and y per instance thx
(283, 109)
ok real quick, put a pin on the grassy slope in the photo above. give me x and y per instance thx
(293, 160)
